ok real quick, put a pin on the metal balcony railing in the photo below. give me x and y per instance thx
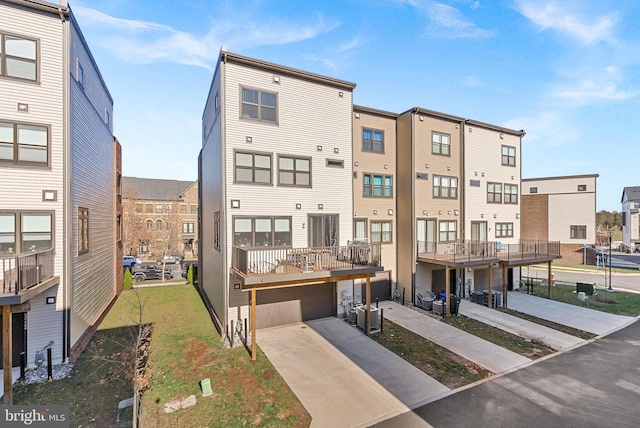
(252, 261)
(459, 251)
(529, 250)
(19, 273)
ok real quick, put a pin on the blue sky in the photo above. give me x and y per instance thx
(567, 72)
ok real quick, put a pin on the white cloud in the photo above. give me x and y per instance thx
(326, 62)
(336, 55)
(601, 85)
(558, 15)
(146, 42)
(543, 129)
(473, 81)
(446, 21)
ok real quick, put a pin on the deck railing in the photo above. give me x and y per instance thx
(527, 250)
(260, 260)
(19, 273)
(458, 251)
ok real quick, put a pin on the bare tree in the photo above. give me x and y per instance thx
(135, 231)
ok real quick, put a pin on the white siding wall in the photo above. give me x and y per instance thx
(20, 187)
(309, 115)
(483, 162)
(92, 187)
(212, 274)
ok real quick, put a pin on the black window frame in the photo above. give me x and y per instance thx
(508, 157)
(368, 190)
(448, 232)
(253, 230)
(253, 168)
(295, 171)
(436, 146)
(504, 230)
(577, 229)
(16, 145)
(372, 140)
(511, 195)
(4, 56)
(495, 193)
(259, 105)
(438, 187)
(373, 235)
(18, 231)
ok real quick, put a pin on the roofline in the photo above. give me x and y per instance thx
(519, 133)
(562, 177)
(269, 66)
(369, 110)
(437, 114)
(44, 6)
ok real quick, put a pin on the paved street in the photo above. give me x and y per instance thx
(622, 281)
(596, 385)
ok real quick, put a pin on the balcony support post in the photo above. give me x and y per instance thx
(447, 292)
(549, 279)
(504, 286)
(7, 352)
(367, 324)
(490, 297)
(253, 325)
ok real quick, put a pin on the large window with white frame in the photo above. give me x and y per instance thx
(448, 230)
(25, 232)
(18, 57)
(494, 193)
(259, 105)
(262, 231)
(440, 143)
(253, 168)
(24, 144)
(504, 230)
(510, 193)
(445, 187)
(294, 171)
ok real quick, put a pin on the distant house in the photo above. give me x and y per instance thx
(59, 163)
(631, 216)
(157, 210)
(561, 209)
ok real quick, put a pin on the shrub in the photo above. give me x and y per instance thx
(127, 282)
(190, 274)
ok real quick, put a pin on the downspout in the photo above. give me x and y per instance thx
(414, 242)
(462, 189)
(223, 176)
(66, 204)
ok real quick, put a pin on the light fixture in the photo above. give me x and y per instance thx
(482, 174)
(501, 136)
(23, 107)
(276, 79)
(386, 167)
(439, 212)
(421, 118)
(249, 140)
(319, 148)
(448, 168)
(236, 286)
(357, 115)
(425, 212)
(375, 212)
(390, 212)
(355, 213)
(51, 300)
(517, 215)
(298, 206)
(476, 173)
(336, 150)
(470, 129)
(481, 215)
(495, 216)
(49, 195)
(457, 126)
(449, 212)
(456, 212)
(304, 225)
(320, 206)
(426, 165)
(356, 163)
(235, 203)
(341, 94)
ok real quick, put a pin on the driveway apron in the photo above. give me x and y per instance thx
(343, 378)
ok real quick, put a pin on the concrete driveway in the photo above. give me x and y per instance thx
(343, 378)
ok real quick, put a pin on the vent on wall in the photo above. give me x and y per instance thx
(335, 163)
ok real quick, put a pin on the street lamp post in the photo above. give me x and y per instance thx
(610, 289)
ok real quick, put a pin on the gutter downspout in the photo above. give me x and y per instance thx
(66, 206)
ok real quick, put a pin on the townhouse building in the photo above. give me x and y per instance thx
(562, 209)
(160, 215)
(58, 162)
(276, 197)
(631, 217)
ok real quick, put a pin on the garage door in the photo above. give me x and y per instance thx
(284, 306)
(380, 287)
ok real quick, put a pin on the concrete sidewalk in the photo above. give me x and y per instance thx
(529, 330)
(342, 377)
(596, 322)
(473, 348)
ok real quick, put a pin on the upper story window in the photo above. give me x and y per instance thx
(18, 57)
(148, 208)
(441, 143)
(508, 155)
(533, 190)
(381, 232)
(216, 230)
(293, 171)
(474, 183)
(259, 105)
(183, 208)
(139, 208)
(253, 168)
(377, 186)
(582, 187)
(448, 231)
(372, 140)
(149, 224)
(194, 209)
(504, 230)
(24, 144)
(510, 193)
(578, 232)
(25, 232)
(169, 208)
(494, 193)
(80, 73)
(360, 229)
(445, 187)
(262, 231)
(158, 208)
(187, 227)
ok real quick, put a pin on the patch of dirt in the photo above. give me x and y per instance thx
(605, 300)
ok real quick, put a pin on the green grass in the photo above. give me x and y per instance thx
(441, 364)
(517, 344)
(618, 303)
(185, 348)
(563, 328)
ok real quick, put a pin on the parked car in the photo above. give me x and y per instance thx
(170, 258)
(130, 261)
(185, 270)
(147, 271)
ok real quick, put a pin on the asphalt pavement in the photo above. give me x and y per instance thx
(595, 385)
